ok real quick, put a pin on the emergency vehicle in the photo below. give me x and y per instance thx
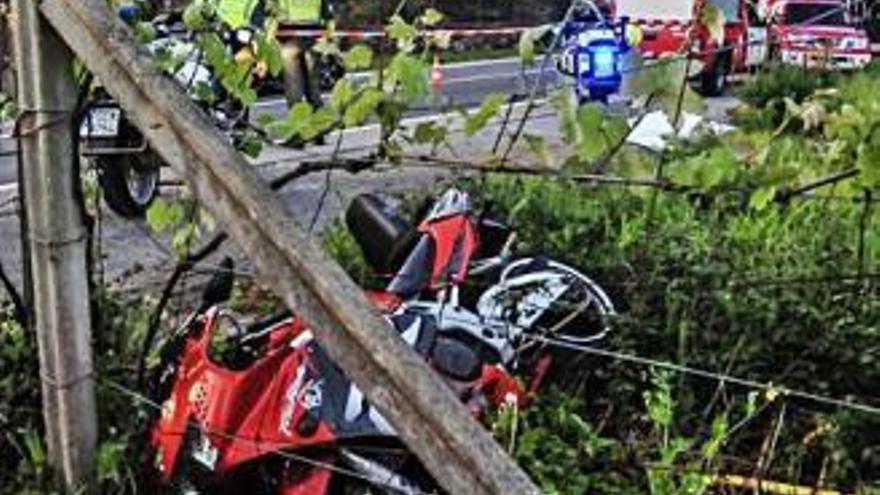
(813, 33)
(817, 34)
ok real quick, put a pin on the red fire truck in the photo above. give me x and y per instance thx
(814, 33)
(817, 34)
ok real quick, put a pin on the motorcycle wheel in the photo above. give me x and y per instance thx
(329, 72)
(577, 315)
(130, 182)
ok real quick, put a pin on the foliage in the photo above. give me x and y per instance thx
(717, 285)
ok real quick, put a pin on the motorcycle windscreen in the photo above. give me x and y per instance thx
(415, 274)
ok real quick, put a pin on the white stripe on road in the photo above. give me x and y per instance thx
(360, 76)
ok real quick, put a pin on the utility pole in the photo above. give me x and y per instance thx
(56, 236)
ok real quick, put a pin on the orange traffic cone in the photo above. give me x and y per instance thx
(437, 74)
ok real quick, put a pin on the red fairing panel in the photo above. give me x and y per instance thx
(456, 240)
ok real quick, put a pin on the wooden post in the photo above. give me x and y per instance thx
(460, 453)
(56, 237)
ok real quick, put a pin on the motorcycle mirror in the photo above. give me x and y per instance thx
(219, 288)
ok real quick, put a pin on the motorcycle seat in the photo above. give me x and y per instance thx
(383, 234)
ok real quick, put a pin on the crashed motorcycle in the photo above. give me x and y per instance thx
(262, 406)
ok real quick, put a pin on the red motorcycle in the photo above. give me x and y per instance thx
(263, 407)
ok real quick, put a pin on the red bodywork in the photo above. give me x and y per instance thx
(753, 38)
(243, 416)
(824, 42)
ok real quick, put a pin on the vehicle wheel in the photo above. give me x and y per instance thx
(713, 80)
(189, 476)
(130, 182)
(329, 72)
(549, 299)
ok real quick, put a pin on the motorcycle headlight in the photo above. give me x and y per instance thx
(244, 36)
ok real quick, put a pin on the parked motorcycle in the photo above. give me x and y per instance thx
(593, 53)
(263, 406)
(129, 170)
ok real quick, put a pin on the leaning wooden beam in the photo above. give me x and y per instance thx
(428, 417)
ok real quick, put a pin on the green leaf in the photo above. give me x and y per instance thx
(145, 32)
(164, 215)
(411, 74)
(762, 197)
(196, 15)
(431, 17)
(108, 461)
(527, 42)
(236, 13)
(403, 33)
(343, 93)
(320, 122)
(538, 147)
(215, 52)
(565, 107)
(487, 111)
(429, 133)
(362, 107)
(269, 52)
(591, 144)
(35, 449)
(360, 57)
(869, 160)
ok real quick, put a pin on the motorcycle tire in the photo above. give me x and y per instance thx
(130, 182)
(577, 316)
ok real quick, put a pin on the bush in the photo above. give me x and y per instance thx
(760, 294)
(783, 80)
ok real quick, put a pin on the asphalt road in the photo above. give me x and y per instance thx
(464, 84)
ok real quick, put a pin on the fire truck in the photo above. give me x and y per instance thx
(812, 33)
(817, 34)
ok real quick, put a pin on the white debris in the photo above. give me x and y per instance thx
(655, 129)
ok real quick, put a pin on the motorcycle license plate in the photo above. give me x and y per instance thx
(101, 122)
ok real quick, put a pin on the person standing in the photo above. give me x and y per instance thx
(299, 77)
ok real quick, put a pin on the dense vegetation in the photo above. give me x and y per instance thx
(718, 279)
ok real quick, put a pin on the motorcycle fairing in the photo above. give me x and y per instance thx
(440, 258)
(293, 397)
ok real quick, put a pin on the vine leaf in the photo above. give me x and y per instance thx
(490, 107)
(236, 13)
(869, 159)
(538, 146)
(429, 133)
(527, 42)
(164, 215)
(403, 33)
(431, 17)
(762, 197)
(362, 107)
(360, 57)
(409, 74)
(591, 143)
